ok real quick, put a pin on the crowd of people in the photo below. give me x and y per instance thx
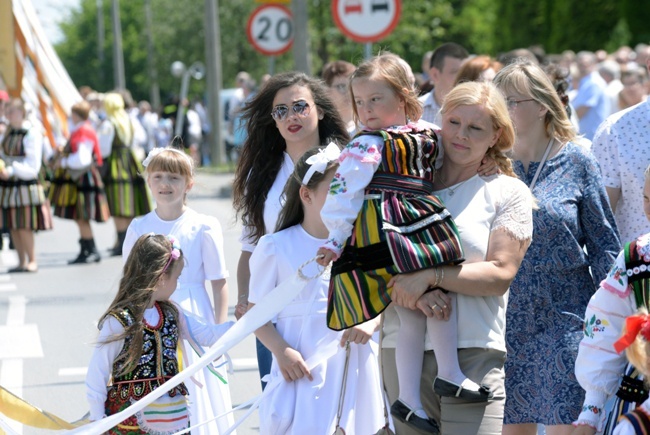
(483, 228)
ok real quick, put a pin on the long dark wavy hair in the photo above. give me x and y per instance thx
(262, 152)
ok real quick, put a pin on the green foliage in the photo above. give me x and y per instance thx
(482, 26)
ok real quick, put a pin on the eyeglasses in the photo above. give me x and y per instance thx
(512, 104)
(341, 87)
(281, 111)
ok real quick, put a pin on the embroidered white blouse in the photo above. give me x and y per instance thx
(599, 368)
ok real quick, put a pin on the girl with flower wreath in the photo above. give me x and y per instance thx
(138, 339)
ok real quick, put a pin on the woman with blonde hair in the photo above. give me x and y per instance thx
(494, 216)
(126, 191)
(575, 237)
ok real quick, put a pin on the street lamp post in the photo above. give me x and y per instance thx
(196, 71)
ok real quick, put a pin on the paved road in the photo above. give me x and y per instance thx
(48, 319)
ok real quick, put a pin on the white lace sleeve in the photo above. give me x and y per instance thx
(515, 209)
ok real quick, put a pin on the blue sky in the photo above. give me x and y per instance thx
(51, 12)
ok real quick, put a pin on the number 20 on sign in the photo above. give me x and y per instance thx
(270, 29)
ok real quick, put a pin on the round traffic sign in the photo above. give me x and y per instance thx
(270, 29)
(366, 20)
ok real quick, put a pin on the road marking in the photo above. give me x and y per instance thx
(9, 287)
(11, 370)
(73, 371)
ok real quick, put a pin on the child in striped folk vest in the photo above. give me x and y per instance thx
(138, 340)
(383, 220)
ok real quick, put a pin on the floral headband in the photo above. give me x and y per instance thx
(635, 325)
(154, 152)
(318, 162)
(176, 252)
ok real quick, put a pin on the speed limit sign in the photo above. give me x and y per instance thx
(270, 29)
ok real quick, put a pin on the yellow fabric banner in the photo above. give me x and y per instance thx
(23, 412)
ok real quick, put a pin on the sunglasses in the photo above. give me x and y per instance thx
(281, 111)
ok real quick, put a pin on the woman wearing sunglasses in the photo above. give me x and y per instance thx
(291, 114)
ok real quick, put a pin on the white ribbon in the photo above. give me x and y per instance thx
(320, 161)
(154, 152)
(266, 309)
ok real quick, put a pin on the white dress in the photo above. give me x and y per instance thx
(201, 239)
(303, 406)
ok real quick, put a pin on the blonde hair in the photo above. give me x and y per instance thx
(390, 68)
(638, 353)
(487, 95)
(172, 160)
(527, 78)
(149, 262)
(114, 106)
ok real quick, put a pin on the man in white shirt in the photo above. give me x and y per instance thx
(621, 147)
(445, 63)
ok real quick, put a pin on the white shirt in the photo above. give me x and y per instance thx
(26, 168)
(272, 205)
(621, 146)
(431, 108)
(479, 206)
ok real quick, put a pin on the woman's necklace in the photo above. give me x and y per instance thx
(451, 191)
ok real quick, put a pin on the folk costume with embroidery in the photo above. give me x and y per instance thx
(22, 198)
(598, 366)
(383, 219)
(109, 391)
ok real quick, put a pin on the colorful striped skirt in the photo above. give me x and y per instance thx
(126, 190)
(167, 415)
(401, 228)
(79, 197)
(24, 205)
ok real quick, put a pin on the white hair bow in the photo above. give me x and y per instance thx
(319, 161)
(154, 152)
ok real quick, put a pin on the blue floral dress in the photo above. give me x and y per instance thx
(549, 295)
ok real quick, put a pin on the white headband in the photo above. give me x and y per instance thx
(320, 160)
(154, 152)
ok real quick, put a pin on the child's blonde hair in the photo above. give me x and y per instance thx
(390, 68)
(635, 339)
(170, 159)
(150, 261)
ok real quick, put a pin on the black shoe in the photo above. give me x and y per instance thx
(446, 388)
(406, 415)
(88, 253)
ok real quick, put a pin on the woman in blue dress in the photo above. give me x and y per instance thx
(573, 231)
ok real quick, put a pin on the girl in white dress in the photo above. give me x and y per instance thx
(169, 174)
(307, 399)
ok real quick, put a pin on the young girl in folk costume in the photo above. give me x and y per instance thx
(307, 401)
(138, 339)
(382, 221)
(77, 190)
(126, 192)
(170, 176)
(25, 207)
(602, 371)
